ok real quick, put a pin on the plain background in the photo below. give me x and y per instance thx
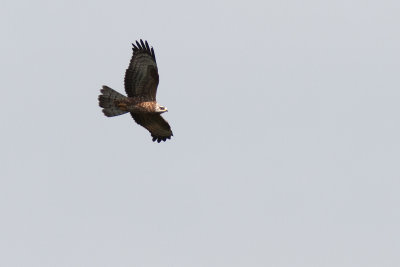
(286, 135)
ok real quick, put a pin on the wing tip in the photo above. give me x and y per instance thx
(161, 138)
(143, 46)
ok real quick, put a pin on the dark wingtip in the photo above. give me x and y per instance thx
(147, 46)
(138, 45)
(144, 46)
(160, 138)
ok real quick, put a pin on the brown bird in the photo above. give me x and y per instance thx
(141, 81)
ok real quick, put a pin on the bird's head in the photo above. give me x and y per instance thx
(161, 109)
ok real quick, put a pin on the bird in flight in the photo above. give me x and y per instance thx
(141, 81)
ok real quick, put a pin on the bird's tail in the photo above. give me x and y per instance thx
(107, 101)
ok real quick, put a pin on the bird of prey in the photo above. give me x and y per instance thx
(141, 81)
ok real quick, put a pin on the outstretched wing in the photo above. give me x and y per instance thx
(155, 124)
(141, 77)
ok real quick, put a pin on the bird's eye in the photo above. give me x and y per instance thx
(162, 108)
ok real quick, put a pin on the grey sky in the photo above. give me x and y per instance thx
(286, 135)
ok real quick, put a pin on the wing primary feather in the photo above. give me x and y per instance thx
(137, 43)
(153, 54)
(147, 46)
(143, 46)
(134, 47)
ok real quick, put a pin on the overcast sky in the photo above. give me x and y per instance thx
(286, 135)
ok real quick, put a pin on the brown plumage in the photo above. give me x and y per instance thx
(141, 81)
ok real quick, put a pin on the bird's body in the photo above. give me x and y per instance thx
(136, 105)
(141, 81)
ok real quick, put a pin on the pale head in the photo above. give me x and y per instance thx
(160, 109)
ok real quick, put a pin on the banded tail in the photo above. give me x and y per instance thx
(107, 101)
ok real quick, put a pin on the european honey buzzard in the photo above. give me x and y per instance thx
(141, 81)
